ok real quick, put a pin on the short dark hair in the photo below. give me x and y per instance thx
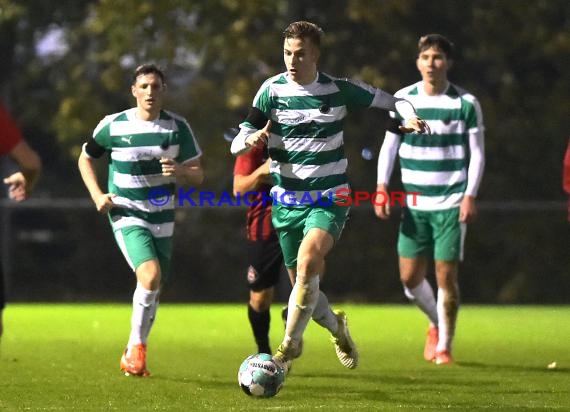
(304, 30)
(148, 68)
(439, 42)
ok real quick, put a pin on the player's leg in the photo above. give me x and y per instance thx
(332, 219)
(323, 314)
(447, 308)
(137, 245)
(265, 259)
(449, 236)
(414, 243)
(305, 293)
(418, 290)
(258, 314)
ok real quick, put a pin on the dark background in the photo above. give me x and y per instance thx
(512, 54)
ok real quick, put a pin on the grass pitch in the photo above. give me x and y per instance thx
(66, 357)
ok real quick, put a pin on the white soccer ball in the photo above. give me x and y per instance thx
(259, 375)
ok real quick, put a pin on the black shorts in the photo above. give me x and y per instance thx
(265, 262)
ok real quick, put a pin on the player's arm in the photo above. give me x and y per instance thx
(254, 131)
(22, 183)
(252, 181)
(412, 122)
(187, 173)
(468, 208)
(86, 166)
(386, 161)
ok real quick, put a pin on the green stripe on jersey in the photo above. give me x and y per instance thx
(314, 183)
(141, 193)
(448, 165)
(434, 140)
(155, 218)
(307, 158)
(141, 167)
(436, 190)
(311, 130)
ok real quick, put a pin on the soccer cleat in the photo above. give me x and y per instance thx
(135, 363)
(443, 358)
(431, 342)
(343, 344)
(285, 354)
(284, 312)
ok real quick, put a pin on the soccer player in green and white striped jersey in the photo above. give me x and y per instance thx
(149, 151)
(300, 115)
(446, 168)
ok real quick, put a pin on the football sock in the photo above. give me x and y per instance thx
(145, 331)
(447, 308)
(259, 322)
(302, 302)
(423, 296)
(323, 314)
(144, 311)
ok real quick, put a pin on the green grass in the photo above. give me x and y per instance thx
(65, 357)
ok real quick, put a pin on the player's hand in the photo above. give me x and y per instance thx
(259, 138)
(415, 125)
(168, 166)
(467, 210)
(104, 202)
(381, 202)
(17, 186)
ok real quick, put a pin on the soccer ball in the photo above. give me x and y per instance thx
(259, 375)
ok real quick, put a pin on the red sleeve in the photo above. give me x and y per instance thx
(566, 173)
(247, 163)
(10, 134)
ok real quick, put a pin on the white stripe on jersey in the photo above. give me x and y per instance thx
(136, 153)
(127, 181)
(157, 230)
(431, 203)
(440, 127)
(143, 205)
(428, 153)
(298, 116)
(298, 171)
(309, 145)
(434, 178)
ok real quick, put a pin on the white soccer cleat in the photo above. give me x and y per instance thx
(344, 346)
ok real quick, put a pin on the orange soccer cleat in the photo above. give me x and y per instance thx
(431, 342)
(443, 358)
(133, 361)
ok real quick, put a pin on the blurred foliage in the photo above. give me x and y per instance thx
(510, 54)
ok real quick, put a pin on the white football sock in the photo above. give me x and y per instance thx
(423, 296)
(447, 308)
(144, 311)
(323, 314)
(302, 302)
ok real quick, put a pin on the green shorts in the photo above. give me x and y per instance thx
(293, 223)
(139, 245)
(425, 232)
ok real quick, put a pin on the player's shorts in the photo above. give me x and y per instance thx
(139, 245)
(293, 223)
(265, 262)
(432, 232)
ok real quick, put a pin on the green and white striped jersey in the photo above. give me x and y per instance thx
(135, 174)
(306, 144)
(437, 165)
